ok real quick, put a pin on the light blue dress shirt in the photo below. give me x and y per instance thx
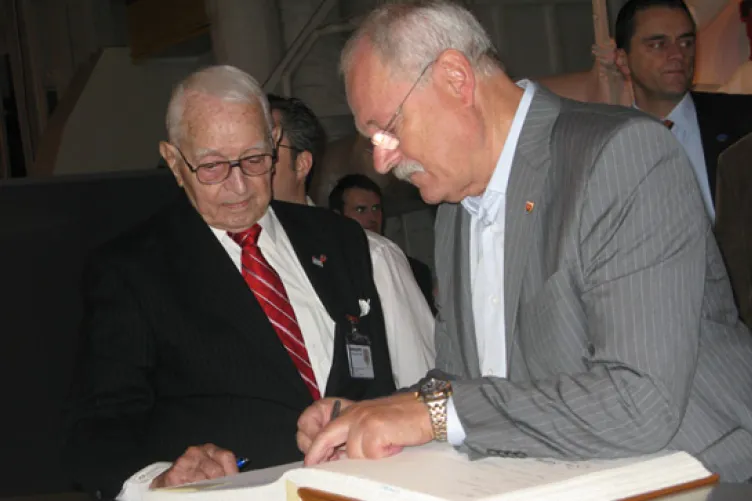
(686, 129)
(487, 262)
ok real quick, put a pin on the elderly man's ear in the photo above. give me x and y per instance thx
(170, 155)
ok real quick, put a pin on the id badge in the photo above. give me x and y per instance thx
(361, 364)
(359, 352)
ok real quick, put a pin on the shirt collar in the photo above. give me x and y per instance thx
(683, 113)
(486, 206)
(268, 223)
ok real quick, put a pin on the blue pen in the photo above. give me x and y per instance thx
(242, 462)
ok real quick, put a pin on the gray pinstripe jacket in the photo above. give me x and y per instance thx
(622, 335)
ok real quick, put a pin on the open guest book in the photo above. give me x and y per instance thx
(436, 472)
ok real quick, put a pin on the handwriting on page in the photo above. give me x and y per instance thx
(492, 477)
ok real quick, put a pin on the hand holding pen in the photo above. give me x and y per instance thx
(317, 417)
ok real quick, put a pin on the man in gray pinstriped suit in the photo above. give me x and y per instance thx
(585, 311)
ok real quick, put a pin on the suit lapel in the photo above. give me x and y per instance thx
(318, 258)
(524, 201)
(215, 285)
(453, 241)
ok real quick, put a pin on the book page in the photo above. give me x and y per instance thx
(262, 483)
(438, 472)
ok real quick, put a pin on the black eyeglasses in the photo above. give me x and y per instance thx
(216, 172)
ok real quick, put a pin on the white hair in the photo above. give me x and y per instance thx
(224, 82)
(408, 36)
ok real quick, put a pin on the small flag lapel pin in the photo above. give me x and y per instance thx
(319, 261)
(529, 206)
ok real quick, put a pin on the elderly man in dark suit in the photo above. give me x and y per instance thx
(222, 317)
(585, 311)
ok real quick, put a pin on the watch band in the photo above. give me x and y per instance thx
(435, 393)
(438, 412)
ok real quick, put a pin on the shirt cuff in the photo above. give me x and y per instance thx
(135, 487)
(455, 432)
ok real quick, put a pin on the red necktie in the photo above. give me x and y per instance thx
(668, 123)
(271, 295)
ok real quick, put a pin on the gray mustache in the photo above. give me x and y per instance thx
(405, 169)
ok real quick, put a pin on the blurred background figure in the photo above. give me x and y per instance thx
(358, 197)
(408, 320)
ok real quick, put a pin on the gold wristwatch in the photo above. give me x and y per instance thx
(435, 393)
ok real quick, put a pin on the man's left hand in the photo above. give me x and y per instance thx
(373, 429)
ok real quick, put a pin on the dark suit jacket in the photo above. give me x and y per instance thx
(723, 120)
(733, 223)
(177, 351)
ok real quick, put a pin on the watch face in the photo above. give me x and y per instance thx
(434, 385)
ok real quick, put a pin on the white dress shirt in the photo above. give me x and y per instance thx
(408, 321)
(686, 129)
(487, 262)
(315, 324)
(407, 318)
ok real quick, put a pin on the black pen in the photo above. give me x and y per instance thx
(335, 410)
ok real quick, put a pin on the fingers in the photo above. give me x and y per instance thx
(176, 475)
(372, 429)
(325, 445)
(198, 463)
(304, 442)
(356, 436)
(311, 422)
(224, 458)
(314, 419)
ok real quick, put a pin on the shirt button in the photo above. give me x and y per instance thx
(494, 300)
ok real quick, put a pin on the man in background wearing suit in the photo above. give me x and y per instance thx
(359, 197)
(222, 317)
(408, 322)
(655, 42)
(584, 310)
